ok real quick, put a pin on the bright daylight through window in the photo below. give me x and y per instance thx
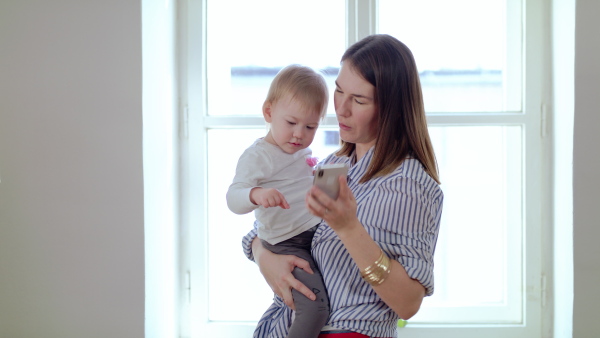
(471, 61)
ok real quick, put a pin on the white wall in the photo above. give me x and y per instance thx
(586, 171)
(71, 190)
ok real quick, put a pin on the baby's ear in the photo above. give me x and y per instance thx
(267, 109)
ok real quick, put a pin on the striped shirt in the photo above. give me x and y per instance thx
(401, 212)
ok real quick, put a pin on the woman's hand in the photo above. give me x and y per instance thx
(277, 271)
(339, 214)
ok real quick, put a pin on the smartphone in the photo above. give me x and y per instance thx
(326, 178)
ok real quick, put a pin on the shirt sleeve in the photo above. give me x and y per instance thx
(252, 168)
(407, 216)
(247, 243)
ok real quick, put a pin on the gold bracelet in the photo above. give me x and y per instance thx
(377, 272)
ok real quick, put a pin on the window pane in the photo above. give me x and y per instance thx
(231, 276)
(249, 41)
(468, 51)
(479, 250)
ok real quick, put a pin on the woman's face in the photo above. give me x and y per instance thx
(355, 107)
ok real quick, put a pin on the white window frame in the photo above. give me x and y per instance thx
(361, 21)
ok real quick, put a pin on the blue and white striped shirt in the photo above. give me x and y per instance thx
(401, 211)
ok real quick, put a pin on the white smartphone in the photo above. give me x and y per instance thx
(326, 178)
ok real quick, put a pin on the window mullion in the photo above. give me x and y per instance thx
(477, 119)
(361, 19)
(248, 122)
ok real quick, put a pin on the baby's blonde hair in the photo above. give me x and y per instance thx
(304, 85)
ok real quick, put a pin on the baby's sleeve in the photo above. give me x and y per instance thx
(252, 168)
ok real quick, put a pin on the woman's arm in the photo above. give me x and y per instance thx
(400, 292)
(277, 271)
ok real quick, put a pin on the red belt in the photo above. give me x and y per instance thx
(337, 334)
(343, 335)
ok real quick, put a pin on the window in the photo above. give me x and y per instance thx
(483, 97)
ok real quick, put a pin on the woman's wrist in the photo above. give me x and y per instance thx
(350, 231)
(365, 252)
(376, 273)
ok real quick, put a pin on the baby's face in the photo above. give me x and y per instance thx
(293, 127)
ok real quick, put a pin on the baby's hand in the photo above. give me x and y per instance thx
(268, 198)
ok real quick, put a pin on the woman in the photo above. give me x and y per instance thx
(375, 247)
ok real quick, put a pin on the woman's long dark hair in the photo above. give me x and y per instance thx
(390, 67)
